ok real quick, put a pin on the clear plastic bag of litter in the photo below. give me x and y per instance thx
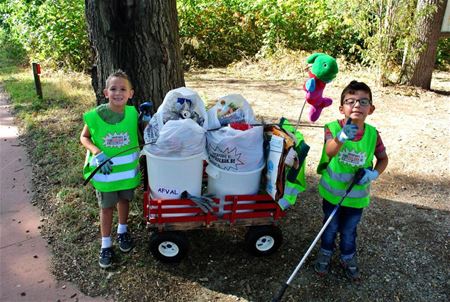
(182, 103)
(232, 108)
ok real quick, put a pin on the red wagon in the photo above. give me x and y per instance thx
(260, 213)
(169, 218)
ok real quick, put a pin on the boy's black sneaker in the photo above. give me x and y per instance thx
(322, 265)
(105, 258)
(125, 242)
(351, 269)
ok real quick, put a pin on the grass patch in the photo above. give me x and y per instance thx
(50, 129)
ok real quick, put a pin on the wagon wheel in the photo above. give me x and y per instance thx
(263, 240)
(169, 247)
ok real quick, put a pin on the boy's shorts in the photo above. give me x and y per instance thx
(110, 199)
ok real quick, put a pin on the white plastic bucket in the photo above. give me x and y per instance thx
(222, 182)
(168, 177)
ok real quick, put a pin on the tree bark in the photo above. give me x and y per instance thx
(141, 38)
(428, 29)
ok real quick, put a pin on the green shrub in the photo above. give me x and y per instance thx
(443, 54)
(217, 33)
(50, 30)
(220, 32)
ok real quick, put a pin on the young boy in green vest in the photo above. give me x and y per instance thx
(109, 129)
(350, 144)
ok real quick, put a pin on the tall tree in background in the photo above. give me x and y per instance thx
(139, 37)
(428, 29)
(384, 27)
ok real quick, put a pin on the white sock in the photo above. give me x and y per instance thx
(122, 228)
(106, 242)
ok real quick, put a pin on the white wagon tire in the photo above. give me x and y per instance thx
(169, 247)
(263, 240)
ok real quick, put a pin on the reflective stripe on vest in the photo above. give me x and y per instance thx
(354, 193)
(125, 159)
(290, 190)
(290, 193)
(342, 177)
(115, 176)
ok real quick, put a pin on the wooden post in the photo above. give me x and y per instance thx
(37, 79)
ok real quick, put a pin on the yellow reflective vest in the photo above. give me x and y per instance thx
(112, 139)
(338, 172)
(295, 178)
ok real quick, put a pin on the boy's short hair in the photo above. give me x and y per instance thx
(119, 73)
(353, 87)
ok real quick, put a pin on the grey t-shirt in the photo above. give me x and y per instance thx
(108, 115)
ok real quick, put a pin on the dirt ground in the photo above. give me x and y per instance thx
(403, 243)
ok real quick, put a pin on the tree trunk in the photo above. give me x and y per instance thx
(141, 38)
(428, 29)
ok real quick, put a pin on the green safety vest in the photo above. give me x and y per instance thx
(296, 184)
(112, 139)
(338, 173)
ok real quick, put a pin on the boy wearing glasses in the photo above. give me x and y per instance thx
(350, 144)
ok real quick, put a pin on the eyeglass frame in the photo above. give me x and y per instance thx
(369, 102)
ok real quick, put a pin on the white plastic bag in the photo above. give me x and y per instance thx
(180, 138)
(178, 127)
(230, 108)
(236, 150)
(151, 131)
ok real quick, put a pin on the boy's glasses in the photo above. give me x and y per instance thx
(362, 102)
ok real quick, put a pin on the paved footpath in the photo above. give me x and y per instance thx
(24, 257)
